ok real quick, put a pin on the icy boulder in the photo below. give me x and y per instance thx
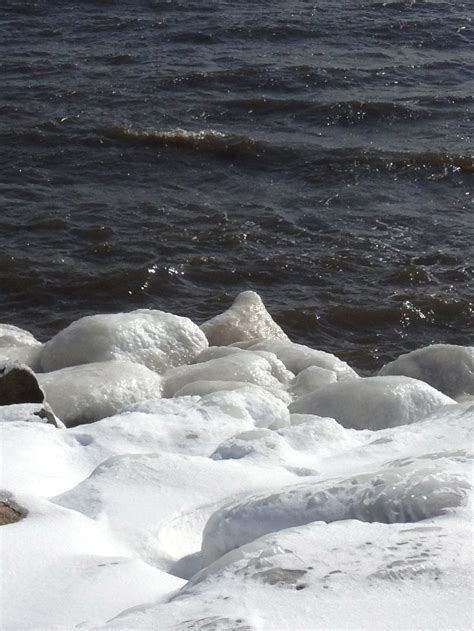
(87, 393)
(446, 367)
(13, 336)
(241, 366)
(297, 357)
(201, 388)
(387, 497)
(246, 319)
(373, 402)
(153, 338)
(27, 355)
(311, 379)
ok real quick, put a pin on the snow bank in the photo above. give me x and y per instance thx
(62, 568)
(446, 367)
(246, 319)
(373, 402)
(89, 392)
(153, 338)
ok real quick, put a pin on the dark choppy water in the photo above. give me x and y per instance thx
(171, 154)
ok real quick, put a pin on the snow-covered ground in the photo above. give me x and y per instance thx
(251, 484)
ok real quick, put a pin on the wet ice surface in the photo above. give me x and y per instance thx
(263, 485)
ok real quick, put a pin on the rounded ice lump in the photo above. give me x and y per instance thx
(446, 367)
(373, 402)
(90, 392)
(156, 339)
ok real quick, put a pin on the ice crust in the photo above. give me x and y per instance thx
(446, 367)
(270, 488)
(156, 339)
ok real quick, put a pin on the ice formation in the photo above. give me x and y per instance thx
(13, 336)
(246, 319)
(263, 485)
(373, 402)
(153, 338)
(89, 392)
(446, 367)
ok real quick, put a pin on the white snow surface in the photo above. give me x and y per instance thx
(153, 338)
(223, 508)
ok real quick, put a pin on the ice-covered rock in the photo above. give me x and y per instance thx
(89, 392)
(246, 319)
(218, 352)
(311, 379)
(389, 496)
(297, 357)
(153, 338)
(241, 366)
(446, 367)
(373, 402)
(26, 355)
(201, 388)
(11, 336)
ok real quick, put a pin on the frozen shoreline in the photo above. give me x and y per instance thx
(222, 477)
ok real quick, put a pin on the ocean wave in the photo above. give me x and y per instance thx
(203, 140)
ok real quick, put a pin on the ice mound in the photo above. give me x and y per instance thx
(218, 352)
(446, 367)
(241, 366)
(373, 402)
(311, 379)
(201, 388)
(89, 392)
(387, 497)
(297, 357)
(246, 319)
(11, 336)
(27, 355)
(153, 338)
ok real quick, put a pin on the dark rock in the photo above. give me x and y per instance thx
(8, 514)
(18, 384)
